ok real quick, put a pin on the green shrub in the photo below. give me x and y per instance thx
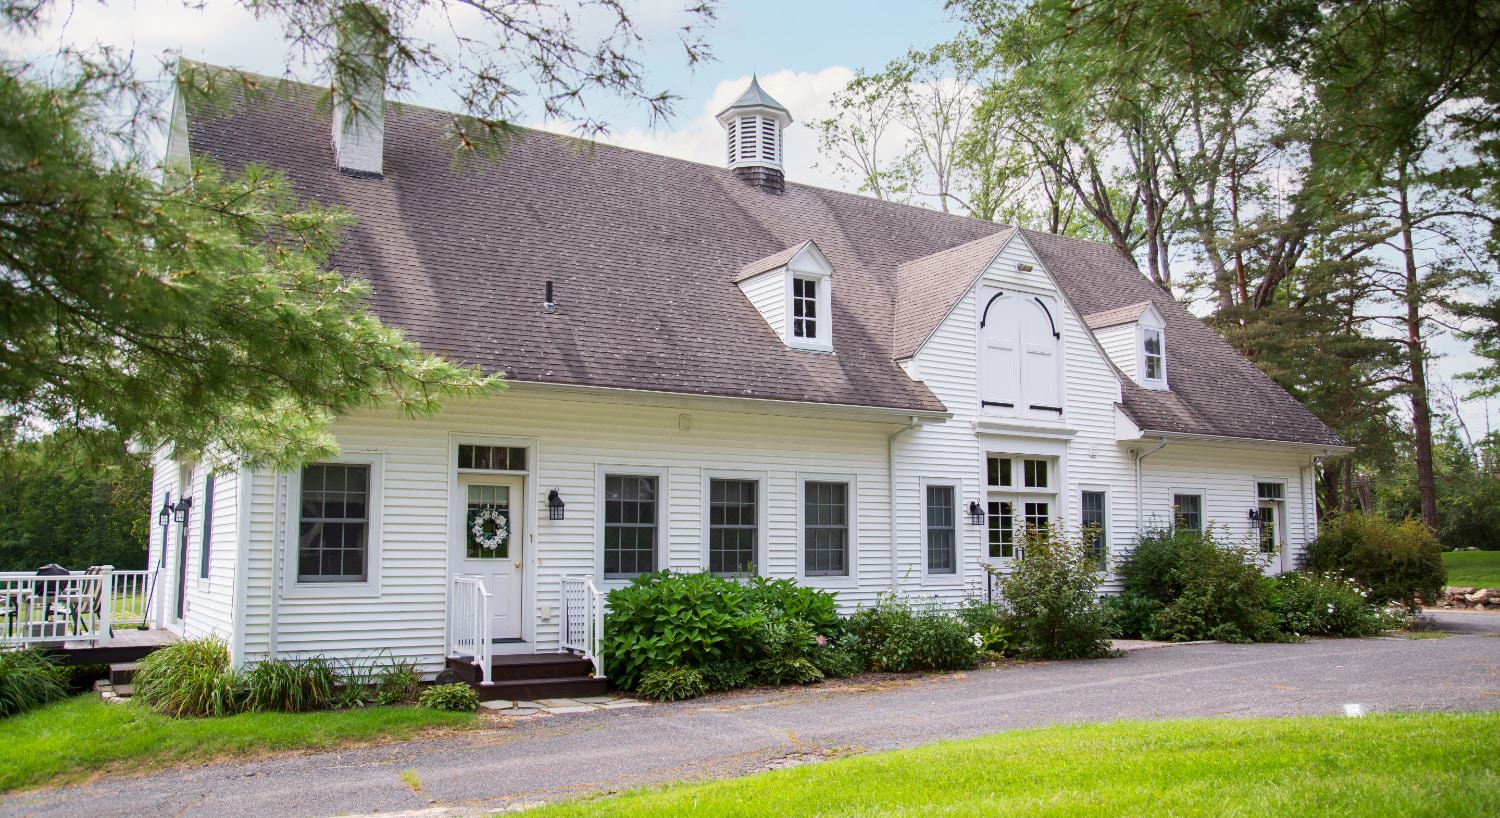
(784, 643)
(673, 620)
(1130, 614)
(1470, 511)
(289, 686)
(727, 674)
(1052, 599)
(670, 684)
(191, 678)
(1396, 562)
(28, 678)
(837, 661)
(397, 682)
(1328, 605)
(1206, 589)
(895, 637)
(690, 620)
(456, 698)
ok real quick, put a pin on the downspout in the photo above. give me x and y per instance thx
(890, 471)
(1140, 514)
(278, 486)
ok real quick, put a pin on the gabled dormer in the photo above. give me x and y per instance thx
(793, 291)
(1135, 338)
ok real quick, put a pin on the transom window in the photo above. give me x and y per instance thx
(733, 525)
(333, 531)
(1187, 511)
(1002, 529)
(805, 307)
(1154, 361)
(1270, 491)
(491, 458)
(1095, 522)
(630, 525)
(1034, 473)
(942, 534)
(999, 471)
(825, 529)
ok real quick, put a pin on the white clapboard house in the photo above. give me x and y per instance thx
(711, 368)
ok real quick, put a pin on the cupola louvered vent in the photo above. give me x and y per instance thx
(754, 128)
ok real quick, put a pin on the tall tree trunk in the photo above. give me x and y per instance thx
(1421, 407)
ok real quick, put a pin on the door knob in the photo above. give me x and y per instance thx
(517, 563)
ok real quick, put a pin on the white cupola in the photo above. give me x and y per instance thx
(753, 134)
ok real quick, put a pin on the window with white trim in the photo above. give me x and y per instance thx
(630, 525)
(1034, 473)
(1187, 511)
(825, 528)
(334, 525)
(733, 525)
(1002, 529)
(1094, 520)
(805, 307)
(1153, 357)
(942, 530)
(998, 470)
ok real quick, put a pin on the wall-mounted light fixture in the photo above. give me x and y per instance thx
(976, 513)
(164, 517)
(180, 511)
(1254, 516)
(555, 505)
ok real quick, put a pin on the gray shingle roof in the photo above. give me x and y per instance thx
(1116, 316)
(768, 263)
(643, 250)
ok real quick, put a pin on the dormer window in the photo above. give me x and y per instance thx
(1155, 368)
(805, 307)
(792, 290)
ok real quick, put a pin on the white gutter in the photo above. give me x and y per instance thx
(890, 471)
(1140, 514)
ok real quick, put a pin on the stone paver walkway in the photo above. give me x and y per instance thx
(558, 707)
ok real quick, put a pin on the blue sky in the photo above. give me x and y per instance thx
(803, 51)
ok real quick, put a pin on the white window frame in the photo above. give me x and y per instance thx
(960, 517)
(851, 579)
(1143, 332)
(762, 514)
(1109, 513)
(370, 587)
(663, 507)
(1284, 529)
(1203, 520)
(810, 270)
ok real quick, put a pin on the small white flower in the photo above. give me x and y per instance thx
(978, 641)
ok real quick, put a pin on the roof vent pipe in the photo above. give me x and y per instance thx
(360, 61)
(549, 306)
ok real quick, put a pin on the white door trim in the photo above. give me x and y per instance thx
(528, 498)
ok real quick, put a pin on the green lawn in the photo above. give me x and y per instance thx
(1480, 569)
(70, 739)
(1384, 765)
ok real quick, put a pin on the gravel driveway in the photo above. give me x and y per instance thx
(558, 756)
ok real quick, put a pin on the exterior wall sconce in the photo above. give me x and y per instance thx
(976, 513)
(180, 511)
(555, 505)
(164, 517)
(1254, 516)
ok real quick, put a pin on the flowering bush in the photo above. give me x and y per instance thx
(1396, 562)
(897, 636)
(1327, 604)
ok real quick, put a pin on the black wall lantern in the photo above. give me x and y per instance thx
(554, 505)
(1254, 516)
(164, 517)
(180, 511)
(976, 514)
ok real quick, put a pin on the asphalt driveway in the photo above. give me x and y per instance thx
(559, 756)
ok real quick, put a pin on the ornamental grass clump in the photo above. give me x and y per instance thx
(191, 678)
(289, 686)
(28, 678)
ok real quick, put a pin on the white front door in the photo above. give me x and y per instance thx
(490, 543)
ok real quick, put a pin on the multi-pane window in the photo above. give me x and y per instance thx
(942, 534)
(1270, 491)
(1038, 514)
(488, 525)
(1002, 525)
(1271, 496)
(733, 524)
(334, 529)
(1034, 472)
(630, 528)
(491, 458)
(1187, 511)
(805, 307)
(825, 529)
(1095, 525)
(999, 471)
(208, 525)
(1155, 362)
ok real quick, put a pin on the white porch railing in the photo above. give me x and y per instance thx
(77, 606)
(583, 620)
(469, 625)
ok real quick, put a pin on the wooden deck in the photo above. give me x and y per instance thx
(123, 646)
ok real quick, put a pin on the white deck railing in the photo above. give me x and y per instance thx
(583, 620)
(77, 606)
(469, 623)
